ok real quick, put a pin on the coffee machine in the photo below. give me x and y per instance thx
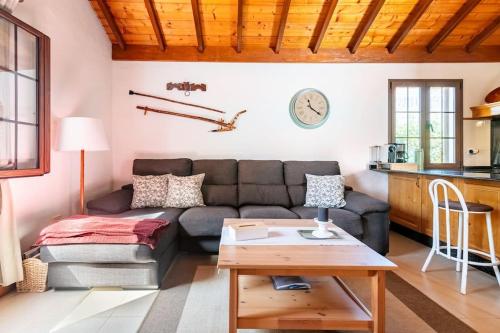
(393, 153)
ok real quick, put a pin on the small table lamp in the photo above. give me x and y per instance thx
(82, 134)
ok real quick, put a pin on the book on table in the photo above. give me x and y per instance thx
(290, 283)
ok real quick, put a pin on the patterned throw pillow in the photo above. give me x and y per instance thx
(185, 192)
(149, 191)
(325, 191)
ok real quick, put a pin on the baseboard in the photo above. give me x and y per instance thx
(427, 241)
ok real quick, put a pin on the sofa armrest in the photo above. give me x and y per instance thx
(361, 203)
(113, 203)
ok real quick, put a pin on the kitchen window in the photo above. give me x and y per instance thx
(427, 115)
(24, 99)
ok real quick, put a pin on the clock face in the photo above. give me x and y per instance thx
(309, 108)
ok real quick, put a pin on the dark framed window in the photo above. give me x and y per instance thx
(24, 99)
(427, 115)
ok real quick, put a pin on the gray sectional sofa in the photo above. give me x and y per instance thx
(231, 189)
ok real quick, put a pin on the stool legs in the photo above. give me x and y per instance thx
(491, 245)
(465, 257)
(435, 242)
(459, 240)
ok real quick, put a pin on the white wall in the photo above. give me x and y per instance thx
(357, 94)
(80, 86)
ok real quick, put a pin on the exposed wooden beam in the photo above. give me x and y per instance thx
(197, 24)
(364, 55)
(485, 33)
(452, 24)
(155, 22)
(365, 24)
(324, 26)
(415, 14)
(239, 28)
(281, 29)
(112, 23)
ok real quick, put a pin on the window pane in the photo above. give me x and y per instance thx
(7, 145)
(413, 144)
(448, 151)
(401, 125)
(435, 128)
(27, 100)
(448, 125)
(414, 125)
(7, 96)
(436, 153)
(401, 99)
(26, 53)
(7, 43)
(27, 147)
(435, 99)
(449, 99)
(414, 99)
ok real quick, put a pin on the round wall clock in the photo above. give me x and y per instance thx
(309, 108)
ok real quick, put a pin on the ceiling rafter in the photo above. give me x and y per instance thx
(484, 34)
(410, 21)
(197, 24)
(282, 26)
(324, 26)
(155, 22)
(370, 15)
(452, 24)
(239, 27)
(112, 23)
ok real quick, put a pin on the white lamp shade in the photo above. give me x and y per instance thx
(82, 133)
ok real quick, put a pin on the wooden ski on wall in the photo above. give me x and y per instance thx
(131, 92)
(223, 125)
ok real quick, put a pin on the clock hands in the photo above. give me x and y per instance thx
(310, 107)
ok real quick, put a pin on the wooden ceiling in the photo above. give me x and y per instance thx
(302, 30)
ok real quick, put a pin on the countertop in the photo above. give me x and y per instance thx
(468, 174)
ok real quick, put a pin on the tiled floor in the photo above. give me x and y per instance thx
(124, 311)
(75, 311)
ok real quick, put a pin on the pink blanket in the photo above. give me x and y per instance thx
(83, 229)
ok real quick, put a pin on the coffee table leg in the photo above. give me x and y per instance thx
(233, 300)
(378, 302)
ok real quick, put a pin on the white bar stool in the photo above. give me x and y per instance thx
(463, 209)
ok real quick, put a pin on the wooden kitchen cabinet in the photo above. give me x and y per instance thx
(411, 206)
(405, 198)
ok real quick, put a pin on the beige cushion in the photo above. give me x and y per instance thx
(149, 191)
(185, 192)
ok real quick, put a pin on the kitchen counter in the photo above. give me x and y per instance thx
(479, 175)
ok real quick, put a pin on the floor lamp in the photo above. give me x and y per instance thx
(82, 134)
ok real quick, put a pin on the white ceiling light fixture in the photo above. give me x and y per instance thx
(9, 5)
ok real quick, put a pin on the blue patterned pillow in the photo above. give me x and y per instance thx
(325, 191)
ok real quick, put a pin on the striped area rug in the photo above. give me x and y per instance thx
(194, 298)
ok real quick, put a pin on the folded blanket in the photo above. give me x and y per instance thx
(83, 229)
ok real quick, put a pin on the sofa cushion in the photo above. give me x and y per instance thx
(119, 253)
(184, 192)
(177, 167)
(342, 218)
(220, 184)
(205, 221)
(262, 183)
(325, 191)
(149, 191)
(295, 176)
(266, 212)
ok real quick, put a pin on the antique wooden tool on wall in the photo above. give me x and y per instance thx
(187, 87)
(131, 92)
(223, 125)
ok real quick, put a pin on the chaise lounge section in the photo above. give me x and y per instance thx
(231, 189)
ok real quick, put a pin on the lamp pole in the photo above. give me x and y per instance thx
(82, 181)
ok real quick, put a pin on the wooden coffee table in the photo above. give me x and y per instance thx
(328, 305)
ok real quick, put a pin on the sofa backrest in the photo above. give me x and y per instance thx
(295, 176)
(247, 182)
(220, 186)
(177, 167)
(262, 183)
